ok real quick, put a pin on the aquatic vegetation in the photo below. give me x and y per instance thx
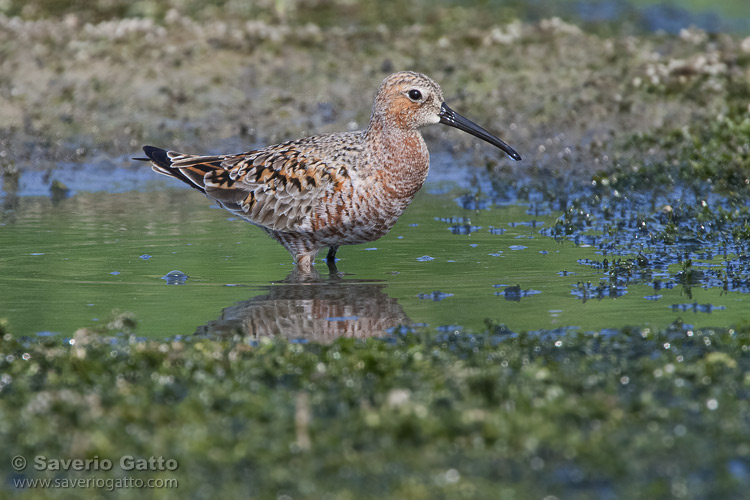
(416, 415)
(689, 203)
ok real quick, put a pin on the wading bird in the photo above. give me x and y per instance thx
(334, 189)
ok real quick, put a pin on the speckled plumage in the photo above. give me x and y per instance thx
(334, 189)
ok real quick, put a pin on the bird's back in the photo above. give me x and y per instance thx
(280, 187)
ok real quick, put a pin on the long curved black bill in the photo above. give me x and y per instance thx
(453, 119)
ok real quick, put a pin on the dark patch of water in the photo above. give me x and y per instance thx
(603, 289)
(435, 296)
(696, 308)
(529, 223)
(470, 202)
(464, 229)
(515, 293)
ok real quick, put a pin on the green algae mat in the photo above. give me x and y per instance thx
(632, 414)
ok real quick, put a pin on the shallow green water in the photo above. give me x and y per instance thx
(72, 264)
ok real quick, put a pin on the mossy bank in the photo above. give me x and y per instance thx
(626, 414)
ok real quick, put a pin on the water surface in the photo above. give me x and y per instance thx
(462, 255)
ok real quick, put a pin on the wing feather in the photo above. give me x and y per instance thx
(277, 187)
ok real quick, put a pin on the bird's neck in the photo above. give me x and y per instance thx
(397, 156)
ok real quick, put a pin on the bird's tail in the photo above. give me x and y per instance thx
(159, 158)
(162, 161)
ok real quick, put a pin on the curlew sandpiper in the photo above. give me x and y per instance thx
(334, 189)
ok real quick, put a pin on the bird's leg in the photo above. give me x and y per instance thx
(331, 257)
(331, 260)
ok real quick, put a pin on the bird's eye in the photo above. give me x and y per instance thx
(415, 95)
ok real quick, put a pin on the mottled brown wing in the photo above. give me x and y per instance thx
(276, 187)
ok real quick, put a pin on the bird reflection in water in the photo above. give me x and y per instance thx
(311, 308)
